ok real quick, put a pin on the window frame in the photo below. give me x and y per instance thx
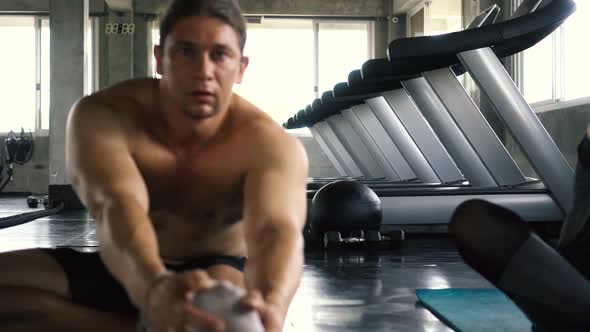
(38, 93)
(94, 26)
(39, 131)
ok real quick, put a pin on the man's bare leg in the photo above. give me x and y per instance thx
(35, 310)
(35, 297)
(227, 273)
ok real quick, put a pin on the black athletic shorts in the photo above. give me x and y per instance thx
(92, 285)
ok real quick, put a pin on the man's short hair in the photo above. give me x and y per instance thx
(226, 10)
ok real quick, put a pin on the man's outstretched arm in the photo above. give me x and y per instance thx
(274, 215)
(103, 173)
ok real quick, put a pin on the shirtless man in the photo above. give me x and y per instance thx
(185, 180)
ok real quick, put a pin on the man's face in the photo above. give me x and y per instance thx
(200, 62)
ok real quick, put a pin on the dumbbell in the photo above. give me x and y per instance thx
(33, 201)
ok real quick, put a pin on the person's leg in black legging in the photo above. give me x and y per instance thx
(554, 292)
(499, 245)
(574, 242)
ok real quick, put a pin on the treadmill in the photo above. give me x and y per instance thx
(474, 164)
(477, 49)
(429, 145)
(355, 134)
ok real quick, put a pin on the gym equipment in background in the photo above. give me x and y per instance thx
(18, 150)
(33, 201)
(23, 218)
(477, 51)
(346, 214)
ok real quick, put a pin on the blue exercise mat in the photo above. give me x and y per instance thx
(474, 310)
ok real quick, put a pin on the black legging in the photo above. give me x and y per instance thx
(552, 287)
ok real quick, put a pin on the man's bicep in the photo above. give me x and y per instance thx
(99, 161)
(277, 194)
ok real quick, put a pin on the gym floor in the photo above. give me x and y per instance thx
(339, 291)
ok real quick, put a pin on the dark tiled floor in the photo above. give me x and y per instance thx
(339, 292)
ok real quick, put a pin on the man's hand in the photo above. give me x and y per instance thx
(271, 315)
(169, 304)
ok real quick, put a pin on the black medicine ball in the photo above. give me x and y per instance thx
(345, 206)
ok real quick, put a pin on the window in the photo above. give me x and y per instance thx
(538, 70)
(280, 76)
(576, 56)
(287, 71)
(556, 69)
(430, 18)
(342, 47)
(19, 74)
(293, 61)
(445, 17)
(417, 25)
(25, 68)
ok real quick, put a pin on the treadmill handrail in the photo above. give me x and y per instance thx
(529, 29)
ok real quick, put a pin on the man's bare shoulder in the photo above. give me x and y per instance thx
(120, 103)
(268, 138)
(95, 112)
(138, 93)
(254, 123)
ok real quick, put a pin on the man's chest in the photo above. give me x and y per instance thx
(204, 186)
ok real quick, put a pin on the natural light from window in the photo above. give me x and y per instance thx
(445, 16)
(17, 65)
(280, 76)
(557, 69)
(577, 52)
(155, 41)
(538, 71)
(343, 47)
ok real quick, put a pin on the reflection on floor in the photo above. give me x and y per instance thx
(339, 292)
